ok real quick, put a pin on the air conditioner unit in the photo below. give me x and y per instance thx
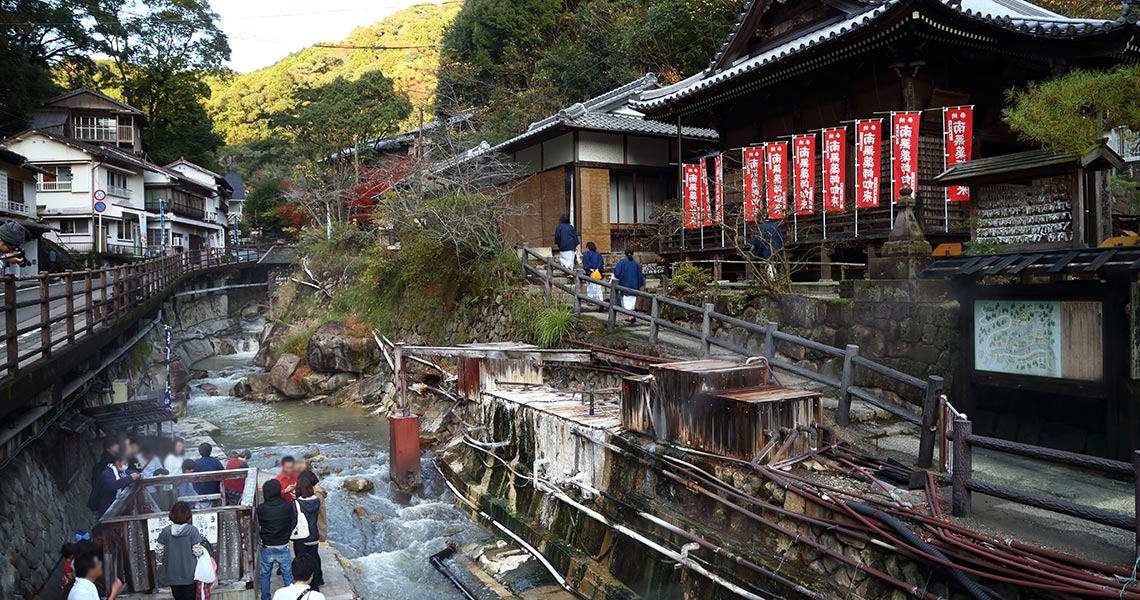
(120, 391)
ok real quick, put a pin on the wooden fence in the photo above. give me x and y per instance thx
(44, 312)
(853, 363)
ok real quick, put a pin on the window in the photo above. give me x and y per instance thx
(153, 236)
(73, 226)
(96, 129)
(635, 198)
(57, 179)
(126, 129)
(117, 184)
(127, 231)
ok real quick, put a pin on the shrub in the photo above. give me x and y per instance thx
(553, 325)
(690, 280)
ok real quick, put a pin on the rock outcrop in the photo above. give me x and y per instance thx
(337, 348)
(283, 379)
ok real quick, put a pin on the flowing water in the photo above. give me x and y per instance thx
(389, 547)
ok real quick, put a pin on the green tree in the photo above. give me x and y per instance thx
(344, 114)
(1073, 113)
(1083, 9)
(258, 212)
(35, 37)
(160, 54)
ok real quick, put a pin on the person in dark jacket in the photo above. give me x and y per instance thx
(107, 484)
(207, 464)
(628, 274)
(566, 241)
(595, 267)
(309, 504)
(276, 519)
(768, 246)
(176, 547)
(110, 451)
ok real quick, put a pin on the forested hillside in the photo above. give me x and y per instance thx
(247, 108)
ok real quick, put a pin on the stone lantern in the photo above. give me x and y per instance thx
(906, 252)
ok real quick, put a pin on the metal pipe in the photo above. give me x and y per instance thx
(436, 561)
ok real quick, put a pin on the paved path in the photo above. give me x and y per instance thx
(874, 431)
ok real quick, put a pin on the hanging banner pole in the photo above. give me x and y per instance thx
(946, 141)
(891, 200)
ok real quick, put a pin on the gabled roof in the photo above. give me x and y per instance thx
(185, 163)
(610, 112)
(1008, 168)
(1017, 17)
(235, 182)
(89, 90)
(93, 150)
(19, 160)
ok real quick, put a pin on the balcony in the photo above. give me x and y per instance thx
(17, 208)
(119, 191)
(53, 186)
(183, 209)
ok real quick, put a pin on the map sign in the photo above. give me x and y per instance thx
(207, 525)
(1021, 337)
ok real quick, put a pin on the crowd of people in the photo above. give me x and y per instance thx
(292, 512)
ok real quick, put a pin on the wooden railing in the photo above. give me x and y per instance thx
(853, 363)
(963, 483)
(44, 312)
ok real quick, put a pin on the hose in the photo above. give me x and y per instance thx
(436, 561)
(971, 586)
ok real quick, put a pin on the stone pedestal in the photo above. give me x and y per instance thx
(906, 252)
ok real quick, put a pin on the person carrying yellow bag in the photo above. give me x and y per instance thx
(593, 265)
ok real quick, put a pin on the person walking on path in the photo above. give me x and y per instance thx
(566, 240)
(110, 481)
(628, 274)
(88, 570)
(177, 554)
(276, 519)
(236, 487)
(309, 507)
(768, 246)
(288, 478)
(305, 568)
(595, 268)
(207, 464)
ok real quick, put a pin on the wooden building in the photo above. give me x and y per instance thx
(796, 67)
(602, 163)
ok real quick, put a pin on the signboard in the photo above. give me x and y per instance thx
(100, 206)
(691, 197)
(142, 230)
(1041, 338)
(718, 209)
(207, 524)
(654, 269)
(776, 154)
(904, 152)
(959, 132)
(100, 195)
(1039, 213)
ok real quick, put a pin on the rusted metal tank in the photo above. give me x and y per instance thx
(404, 450)
(717, 406)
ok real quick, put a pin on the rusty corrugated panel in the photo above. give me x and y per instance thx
(736, 422)
(468, 378)
(636, 400)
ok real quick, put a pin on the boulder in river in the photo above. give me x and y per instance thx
(311, 452)
(360, 512)
(358, 485)
(335, 347)
(210, 389)
(281, 376)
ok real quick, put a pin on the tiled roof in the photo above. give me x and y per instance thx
(234, 179)
(94, 92)
(1014, 15)
(601, 113)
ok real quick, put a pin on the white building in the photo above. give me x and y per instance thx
(189, 208)
(18, 202)
(210, 231)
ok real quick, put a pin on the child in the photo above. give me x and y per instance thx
(69, 551)
(187, 489)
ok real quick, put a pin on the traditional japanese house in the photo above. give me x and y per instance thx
(805, 68)
(602, 163)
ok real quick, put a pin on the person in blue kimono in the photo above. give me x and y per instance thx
(628, 274)
(595, 267)
(566, 240)
(768, 246)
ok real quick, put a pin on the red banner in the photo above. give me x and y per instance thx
(753, 182)
(706, 216)
(835, 169)
(904, 152)
(718, 209)
(805, 173)
(692, 198)
(777, 173)
(869, 152)
(959, 131)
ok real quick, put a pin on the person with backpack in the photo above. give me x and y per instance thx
(307, 535)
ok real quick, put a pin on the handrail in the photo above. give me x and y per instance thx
(963, 483)
(931, 388)
(73, 305)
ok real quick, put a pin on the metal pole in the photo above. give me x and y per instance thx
(681, 182)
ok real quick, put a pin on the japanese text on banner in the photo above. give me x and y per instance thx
(959, 131)
(692, 197)
(718, 209)
(868, 150)
(776, 154)
(805, 173)
(904, 152)
(753, 203)
(705, 213)
(835, 169)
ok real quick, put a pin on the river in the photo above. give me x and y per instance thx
(390, 547)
